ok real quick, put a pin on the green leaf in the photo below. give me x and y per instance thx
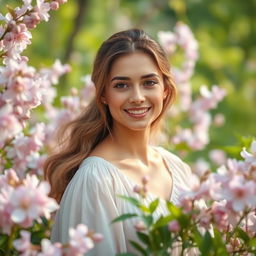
(162, 221)
(206, 245)
(176, 211)
(3, 239)
(148, 220)
(138, 247)
(153, 205)
(3, 242)
(124, 217)
(143, 237)
(241, 234)
(131, 200)
(252, 242)
(144, 209)
(219, 246)
(11, 11)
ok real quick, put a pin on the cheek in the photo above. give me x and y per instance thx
(116, 99)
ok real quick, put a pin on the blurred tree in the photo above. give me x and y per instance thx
(225, 30)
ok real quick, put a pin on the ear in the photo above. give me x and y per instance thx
(166, 92)
(103, 100)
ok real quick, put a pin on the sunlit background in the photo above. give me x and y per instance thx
(225, 30)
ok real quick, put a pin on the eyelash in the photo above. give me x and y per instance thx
(120, 85)
(148, 83)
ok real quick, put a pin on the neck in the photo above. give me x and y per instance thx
(131, 144)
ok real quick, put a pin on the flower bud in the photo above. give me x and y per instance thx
(137, 189)
(145, 179)
(54, 5)
(140, 226)
(97, 237)
(174, 226)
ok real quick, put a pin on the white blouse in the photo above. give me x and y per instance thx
(91, 198)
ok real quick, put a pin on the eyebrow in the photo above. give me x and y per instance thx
(127, 78)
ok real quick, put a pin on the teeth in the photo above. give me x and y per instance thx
(137, 112)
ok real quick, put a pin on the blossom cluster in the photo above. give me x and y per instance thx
(71, 107)
(22, 87)
(195, 137)
(81, 241)
(24, 200)
(215, 216)
(230, 197)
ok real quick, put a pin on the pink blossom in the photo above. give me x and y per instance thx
(137, 189)
(24, 149)
(88, 91)
(207, 101)
(219, 119)
(217, 156)
(23, 244)
(9, 124)
(250, 157)
(54, 5)
(45, 204)
(200, 167)
(174, 226)
(36, 163)
(19, 90)
(55, 72)
(31, 20)
(240, 193)
(30, 201)
(9, 177)
(42, 8)
(139, 226)
(237, 166)
(49, 249)
(184, 38)
(252, 222)
(204, 218)
(185, 96)
(168, 41)
(220, 214)
(79, 240)
(13, 68)
(25, 8)
(145, 179)
(25, 210)
(185, 203)
(16, 40)
(6, 208)
(71, 103)
(97, 237)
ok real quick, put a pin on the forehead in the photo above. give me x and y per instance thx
(133, 65)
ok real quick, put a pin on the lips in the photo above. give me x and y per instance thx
(137, 112)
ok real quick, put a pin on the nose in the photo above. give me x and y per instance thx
(137, 96)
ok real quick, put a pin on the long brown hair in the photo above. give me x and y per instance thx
(95, 122)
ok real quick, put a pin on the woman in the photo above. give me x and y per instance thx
(108, 149)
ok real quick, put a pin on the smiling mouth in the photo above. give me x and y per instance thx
(137, 112)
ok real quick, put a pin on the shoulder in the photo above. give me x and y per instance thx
(94, 173)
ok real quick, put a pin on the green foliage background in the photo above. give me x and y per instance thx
(225, 30)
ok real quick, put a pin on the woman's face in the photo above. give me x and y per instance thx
(135, 92)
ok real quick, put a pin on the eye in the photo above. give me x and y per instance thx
(120, 86)
(150, 83)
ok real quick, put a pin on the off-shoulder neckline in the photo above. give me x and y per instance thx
(133, 183)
